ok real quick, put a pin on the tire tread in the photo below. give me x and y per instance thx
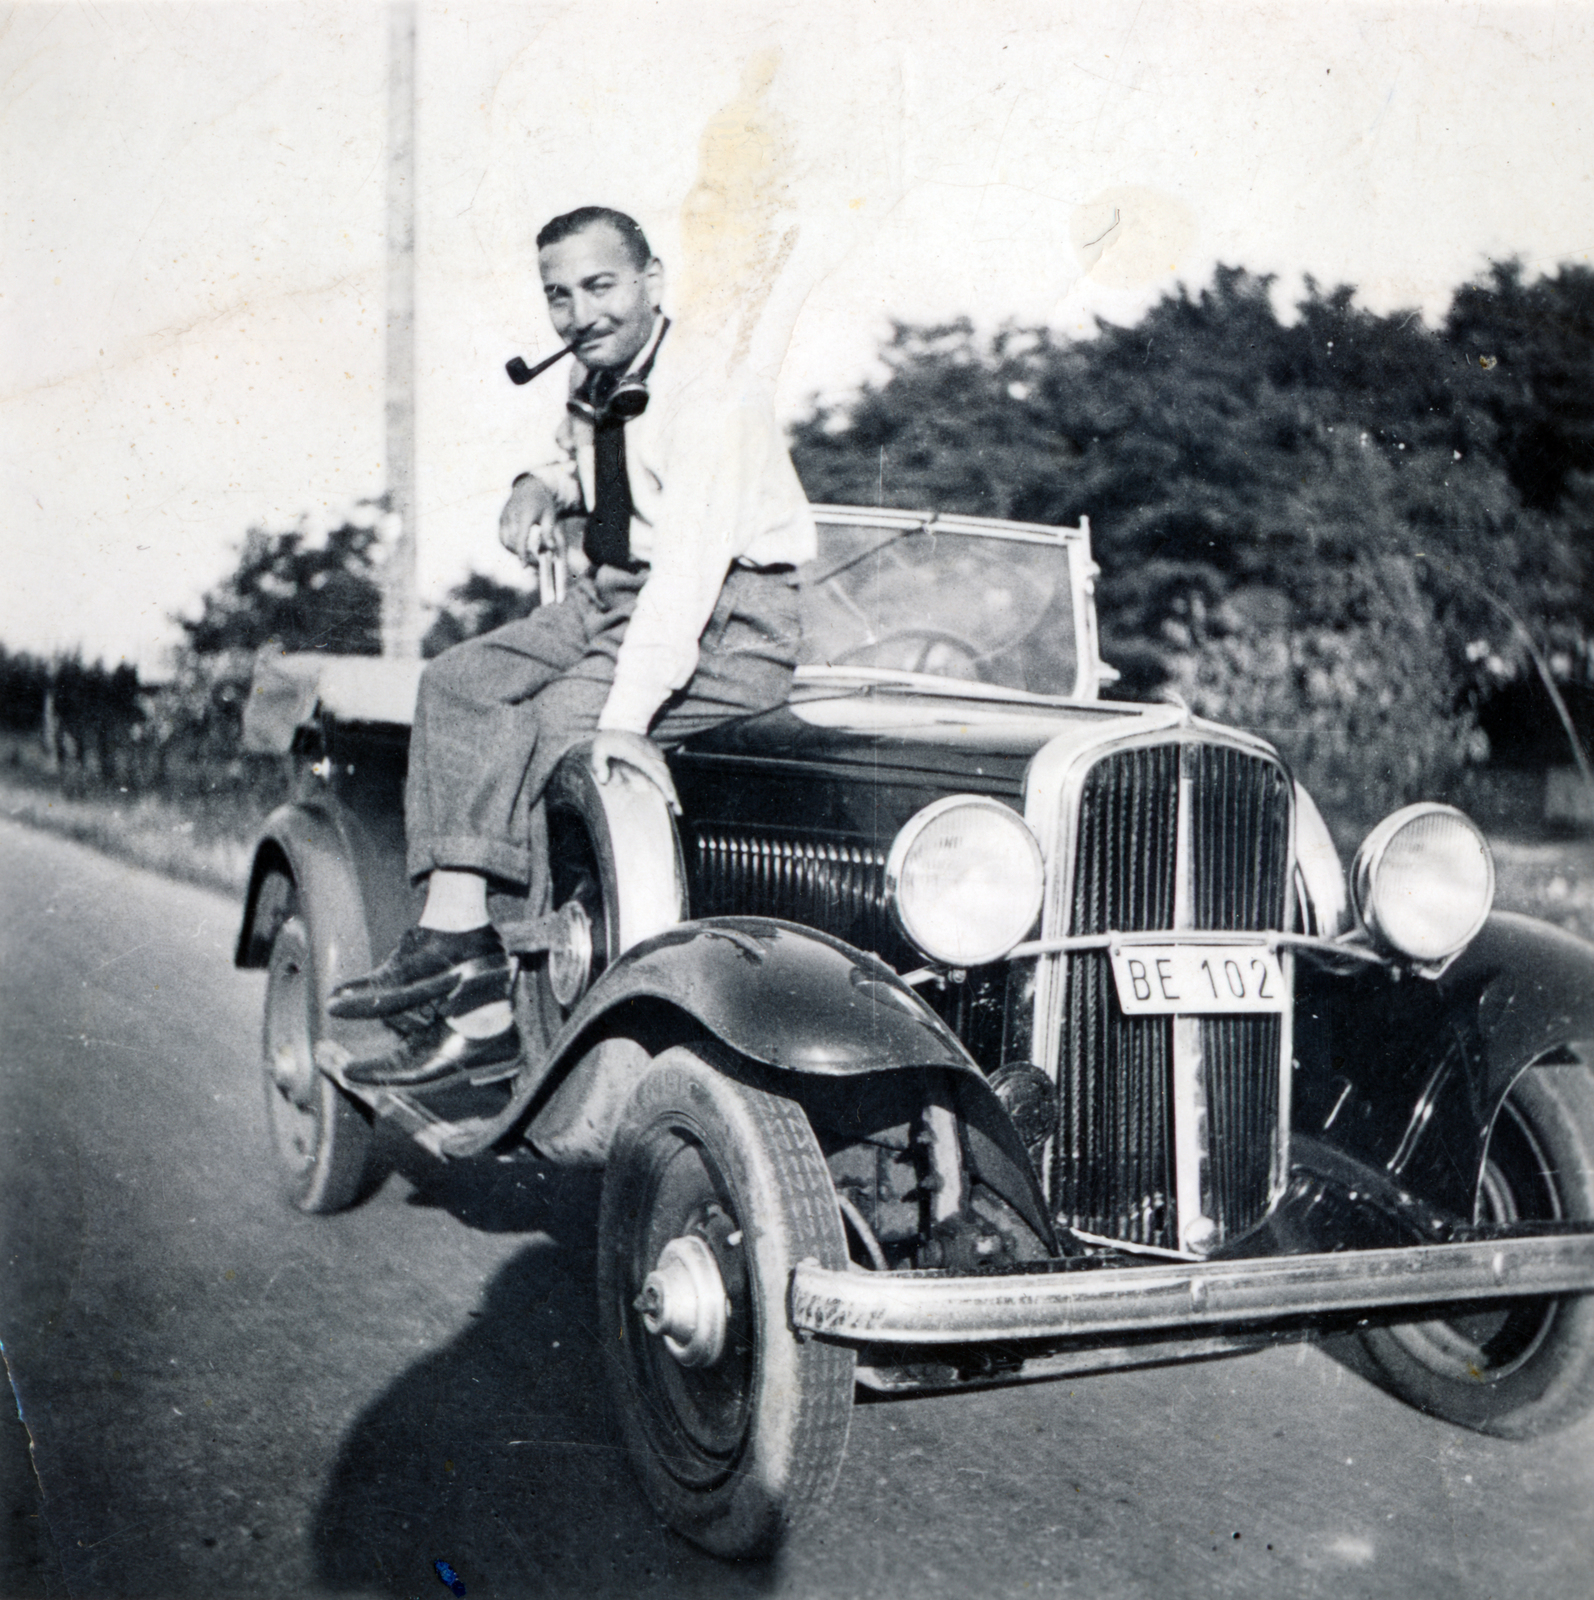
(336, 1176)
(1555, 1386)
(754, 1511)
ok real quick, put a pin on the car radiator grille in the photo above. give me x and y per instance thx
(1112, 1167)
(836, 887)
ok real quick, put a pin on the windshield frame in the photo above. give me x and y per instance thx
(1091, 672)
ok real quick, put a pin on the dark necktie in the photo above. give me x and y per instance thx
(608, 537)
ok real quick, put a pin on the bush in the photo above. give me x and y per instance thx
(1363, 738)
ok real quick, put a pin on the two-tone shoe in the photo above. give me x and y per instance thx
(456, 970)
(438, 1054)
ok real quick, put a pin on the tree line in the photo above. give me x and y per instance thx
(294, 590)
(82, 712)
(91, 724)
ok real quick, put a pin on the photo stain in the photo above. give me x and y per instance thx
(732, 240)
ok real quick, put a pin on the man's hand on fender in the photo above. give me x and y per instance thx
(639, 752)
(526, 524)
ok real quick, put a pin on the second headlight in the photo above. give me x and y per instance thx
(964, 880)
(1423, 882)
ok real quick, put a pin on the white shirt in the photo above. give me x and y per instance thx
(711, 483)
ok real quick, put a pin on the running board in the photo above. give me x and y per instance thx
(430, 1131)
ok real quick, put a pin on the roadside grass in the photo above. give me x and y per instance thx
(203, 839)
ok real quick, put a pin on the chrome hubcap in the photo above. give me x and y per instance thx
(292, 1073)
(570, 953)
(683, 1301)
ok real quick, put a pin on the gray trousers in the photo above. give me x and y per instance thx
(495, 714)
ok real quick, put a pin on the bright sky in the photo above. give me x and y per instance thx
(191, 262)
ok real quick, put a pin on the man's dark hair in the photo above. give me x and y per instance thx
(584, 217)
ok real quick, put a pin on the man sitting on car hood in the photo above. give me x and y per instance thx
(682, 614)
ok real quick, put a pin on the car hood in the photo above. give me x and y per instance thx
(976, 741)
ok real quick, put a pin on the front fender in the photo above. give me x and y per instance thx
(788, 998)
(307, 846)
(1533, 988)
(784, 996)
(1408, 1075)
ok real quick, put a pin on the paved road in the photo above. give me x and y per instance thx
(228, 1398)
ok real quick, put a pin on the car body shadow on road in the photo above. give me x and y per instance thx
(497, 1453)
(519, 1194)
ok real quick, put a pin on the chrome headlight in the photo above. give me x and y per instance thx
(1423, 881)
(964, 880)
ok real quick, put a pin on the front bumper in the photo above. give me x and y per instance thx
(926, 1308)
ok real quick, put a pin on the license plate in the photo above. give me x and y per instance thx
(1158, 980)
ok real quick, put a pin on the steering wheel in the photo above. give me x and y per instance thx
(921, 650)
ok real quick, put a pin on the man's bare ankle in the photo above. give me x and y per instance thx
(456, 902)
(485, 1022)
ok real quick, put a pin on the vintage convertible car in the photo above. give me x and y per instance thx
(969, 1028)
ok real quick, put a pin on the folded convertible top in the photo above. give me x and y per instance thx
(286, 691)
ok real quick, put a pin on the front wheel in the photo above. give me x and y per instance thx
(713, 1193)
(321, 1137)
(1513, 1368)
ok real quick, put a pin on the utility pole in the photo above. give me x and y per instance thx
(401, 633)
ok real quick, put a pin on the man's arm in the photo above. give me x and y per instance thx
(720, 457)
(527, 521)
(539, 497)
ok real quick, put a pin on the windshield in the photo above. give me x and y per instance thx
(954, 605)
